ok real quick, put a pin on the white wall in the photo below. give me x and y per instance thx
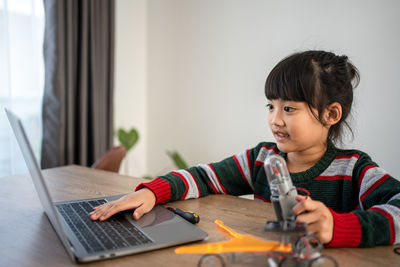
(130, 96)
(207, 62)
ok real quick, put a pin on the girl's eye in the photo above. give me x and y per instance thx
(288, 109)
(269, 106)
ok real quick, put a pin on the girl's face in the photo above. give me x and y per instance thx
(295, 128)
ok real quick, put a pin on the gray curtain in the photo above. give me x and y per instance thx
(78, 94)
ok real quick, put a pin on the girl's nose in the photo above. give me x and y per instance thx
(276, 118)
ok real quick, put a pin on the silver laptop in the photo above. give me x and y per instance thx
(87, 240)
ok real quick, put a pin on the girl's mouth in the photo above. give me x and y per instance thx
(280, 137)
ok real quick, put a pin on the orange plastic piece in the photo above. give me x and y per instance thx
(239, 243)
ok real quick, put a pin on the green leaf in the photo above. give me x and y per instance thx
(147, 177)
(177, 159)
(128, 139)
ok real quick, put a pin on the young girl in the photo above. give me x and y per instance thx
(309, 96)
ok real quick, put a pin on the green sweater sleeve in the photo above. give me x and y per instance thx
(377, 221)
(379, 199)
(233, 175)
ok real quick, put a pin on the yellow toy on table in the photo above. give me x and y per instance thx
(253, 251)
(238, 243)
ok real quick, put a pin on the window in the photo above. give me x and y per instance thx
(21, 77)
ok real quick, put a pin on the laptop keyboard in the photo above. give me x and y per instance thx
(117, 232)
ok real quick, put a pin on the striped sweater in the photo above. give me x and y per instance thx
(362, 197)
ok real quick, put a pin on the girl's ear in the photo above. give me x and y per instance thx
(333, 114)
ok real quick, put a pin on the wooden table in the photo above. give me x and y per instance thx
(28, 239)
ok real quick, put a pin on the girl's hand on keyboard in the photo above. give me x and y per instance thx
(142, 201)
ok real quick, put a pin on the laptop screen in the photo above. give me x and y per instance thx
(37, 176)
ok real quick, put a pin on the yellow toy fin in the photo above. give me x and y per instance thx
(239, 243)
(229, 230)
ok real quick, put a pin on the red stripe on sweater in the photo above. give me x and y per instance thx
(160, 188)
(346, 230)
(186, 183)
(240, 169)
(336, 177)
(259, 163)
(223, 188)
(213, 188)
(348, 156)
(249, 162)
(375, 185)
(390, 220)
(363, 174)
(261, 198)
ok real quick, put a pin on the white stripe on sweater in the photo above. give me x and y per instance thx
(212, 177)
(193, 190)
(263, 153)
(395, 197)
(341, 167)
(395, 213)
(244, 164)
(370, 178)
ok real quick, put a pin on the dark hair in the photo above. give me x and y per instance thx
(318, 78)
